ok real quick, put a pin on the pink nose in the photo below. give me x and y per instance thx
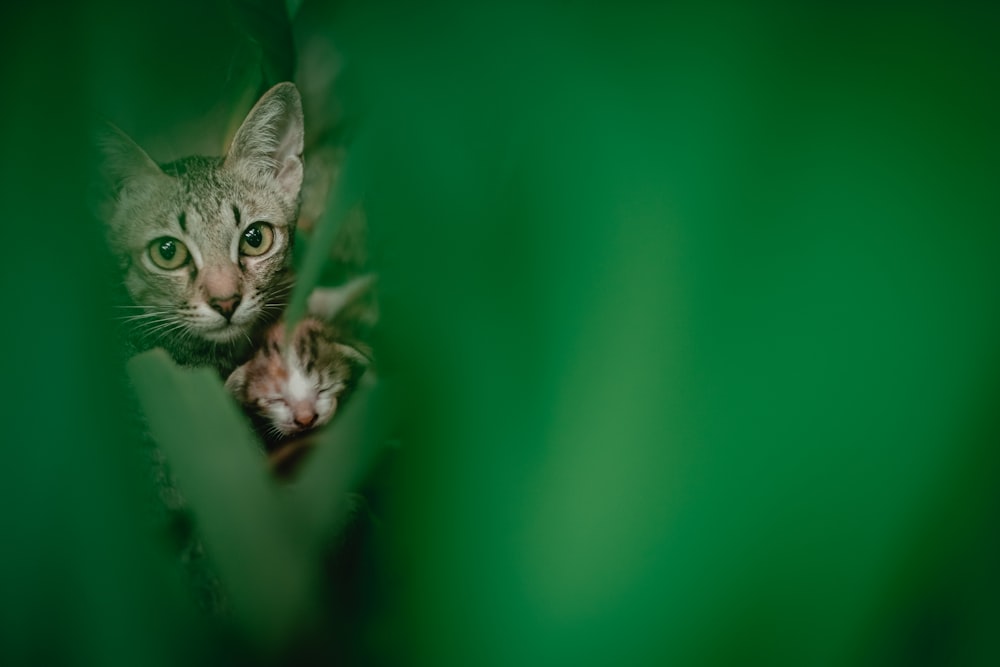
(305, 418)
(225, 307)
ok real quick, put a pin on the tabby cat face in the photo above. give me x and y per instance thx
(205, 243)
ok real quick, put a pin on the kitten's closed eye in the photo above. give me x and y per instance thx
(271, 400)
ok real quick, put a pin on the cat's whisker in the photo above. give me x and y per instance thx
(166, 327)
(140, 316)
(134, 318)
(145, 328)
(279, 294)
(162, 319)
(181, 331)
(144, 324)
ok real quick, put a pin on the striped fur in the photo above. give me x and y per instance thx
(291, 387)
(213, 309)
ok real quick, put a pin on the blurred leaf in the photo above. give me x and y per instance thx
(693, 305)
(243, 86)
(83, 578)
(267, 23)
(256, 544)
(239, 509)
(292, 7)
(346, 196)
(344, 454)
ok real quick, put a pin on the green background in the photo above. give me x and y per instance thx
(691, 315)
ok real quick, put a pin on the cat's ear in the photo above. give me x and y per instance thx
(270, 140)
(356, 359)
(122, 160)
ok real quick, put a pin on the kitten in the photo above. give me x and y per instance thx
(204, 243)
(294, 387)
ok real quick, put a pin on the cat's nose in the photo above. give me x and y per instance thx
(225, 307)
(305, 418)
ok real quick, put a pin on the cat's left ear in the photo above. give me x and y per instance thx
(270, 140)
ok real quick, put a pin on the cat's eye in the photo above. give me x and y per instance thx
(257, 239)
(168, 253)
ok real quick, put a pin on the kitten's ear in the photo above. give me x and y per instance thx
(350, 302)
(236, 383)
(355, 358)
(270, 140)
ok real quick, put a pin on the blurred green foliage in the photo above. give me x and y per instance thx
(692, 313)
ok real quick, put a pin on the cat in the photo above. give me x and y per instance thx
(204, 243)
(291, 388)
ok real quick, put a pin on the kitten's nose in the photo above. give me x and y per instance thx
(305, 417)
(225, 307)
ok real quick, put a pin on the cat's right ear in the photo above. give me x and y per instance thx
(122, 163)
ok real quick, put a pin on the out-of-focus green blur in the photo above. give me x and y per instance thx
(693, 314)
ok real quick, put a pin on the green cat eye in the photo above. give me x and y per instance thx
(168, 253)
(257, 239)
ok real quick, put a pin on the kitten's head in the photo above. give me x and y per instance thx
(205, 243)
(296, 387)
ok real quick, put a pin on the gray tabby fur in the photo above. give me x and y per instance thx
(207, 203)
